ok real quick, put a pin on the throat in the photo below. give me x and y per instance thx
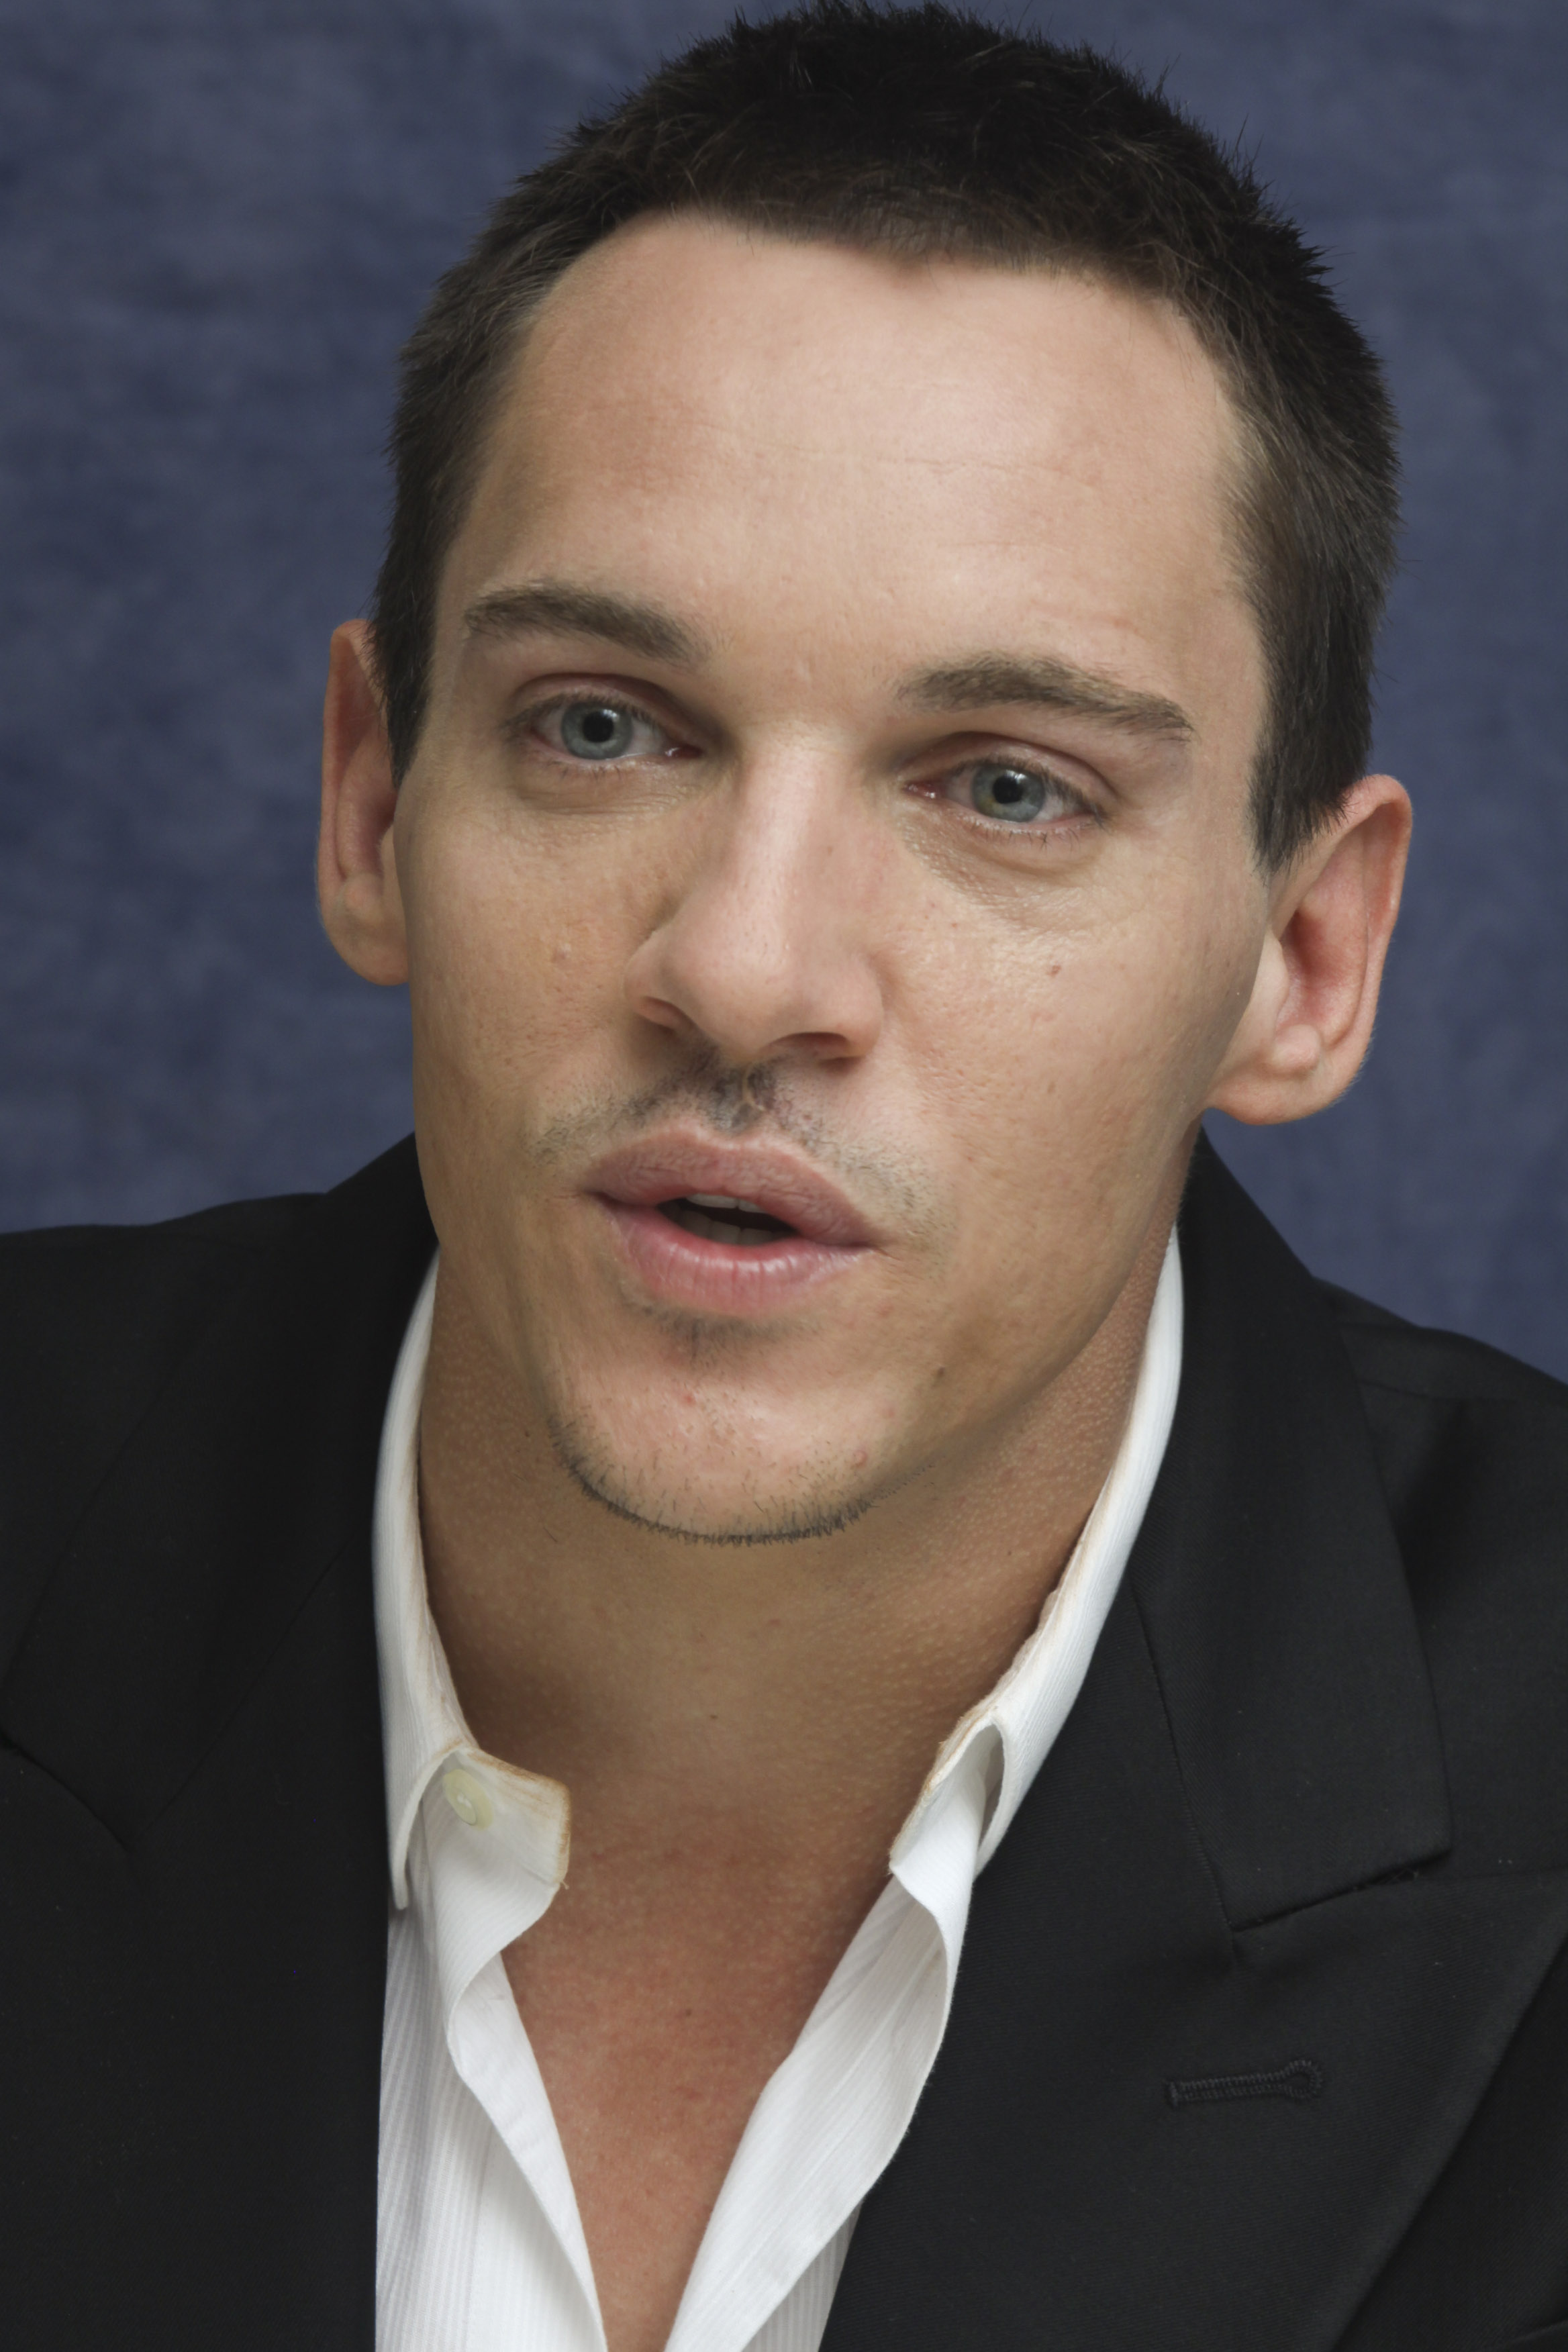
(711, 1218)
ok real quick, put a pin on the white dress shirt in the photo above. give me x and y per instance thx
(480, 2246)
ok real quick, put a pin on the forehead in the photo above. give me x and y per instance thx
(732, 423)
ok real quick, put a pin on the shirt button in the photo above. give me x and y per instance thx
(469, 1798)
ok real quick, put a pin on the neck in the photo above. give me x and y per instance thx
(759, 1689)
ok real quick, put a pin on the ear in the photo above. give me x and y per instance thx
(356, 864)
(1308, 1023)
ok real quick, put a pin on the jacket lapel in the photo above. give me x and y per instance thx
(197, 1711)
(1223, 2012)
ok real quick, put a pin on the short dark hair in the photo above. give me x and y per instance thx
(925, 132)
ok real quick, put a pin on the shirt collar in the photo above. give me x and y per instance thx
(1010, 1732)
(423, 1728)
(1006, 1738)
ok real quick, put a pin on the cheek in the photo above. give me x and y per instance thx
(1070, 1070)
(518, 951)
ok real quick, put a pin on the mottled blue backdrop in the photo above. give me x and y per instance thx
(221, 215)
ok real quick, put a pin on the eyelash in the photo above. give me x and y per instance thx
(1079, 805)
(522, 722)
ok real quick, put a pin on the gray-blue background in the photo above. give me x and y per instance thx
(221, 215)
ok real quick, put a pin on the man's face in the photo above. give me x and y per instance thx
(833, 799)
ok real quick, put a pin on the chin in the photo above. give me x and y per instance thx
(731, 1504)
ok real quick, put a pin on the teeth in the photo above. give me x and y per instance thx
(715, 1229)
(723, 1201)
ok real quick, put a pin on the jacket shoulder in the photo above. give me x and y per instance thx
(91, 1299)
(48, 1252)
(94, 1320)
(1389, 1352)
(1473, 1449)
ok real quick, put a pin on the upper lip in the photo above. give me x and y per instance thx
(666, 1167)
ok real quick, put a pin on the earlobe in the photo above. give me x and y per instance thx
(356, 866)
(1308, 1020)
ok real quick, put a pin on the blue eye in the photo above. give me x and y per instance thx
(1013, 794)
(597, 731)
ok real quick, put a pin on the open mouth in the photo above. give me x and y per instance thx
(716, 1217)
(722, 1229)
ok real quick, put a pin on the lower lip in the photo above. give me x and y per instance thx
(722, 1278)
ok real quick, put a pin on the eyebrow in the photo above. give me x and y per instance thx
(561, 608)
(557, 607)
(990, 678)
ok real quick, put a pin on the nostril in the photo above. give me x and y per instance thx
(822, 1044)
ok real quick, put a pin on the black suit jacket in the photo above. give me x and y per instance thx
(1260, 2040)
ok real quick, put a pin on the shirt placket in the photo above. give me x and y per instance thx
(495, 1849)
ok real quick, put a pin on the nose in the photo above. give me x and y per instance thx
(764, 951)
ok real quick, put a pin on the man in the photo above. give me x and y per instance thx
(799, 1690)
